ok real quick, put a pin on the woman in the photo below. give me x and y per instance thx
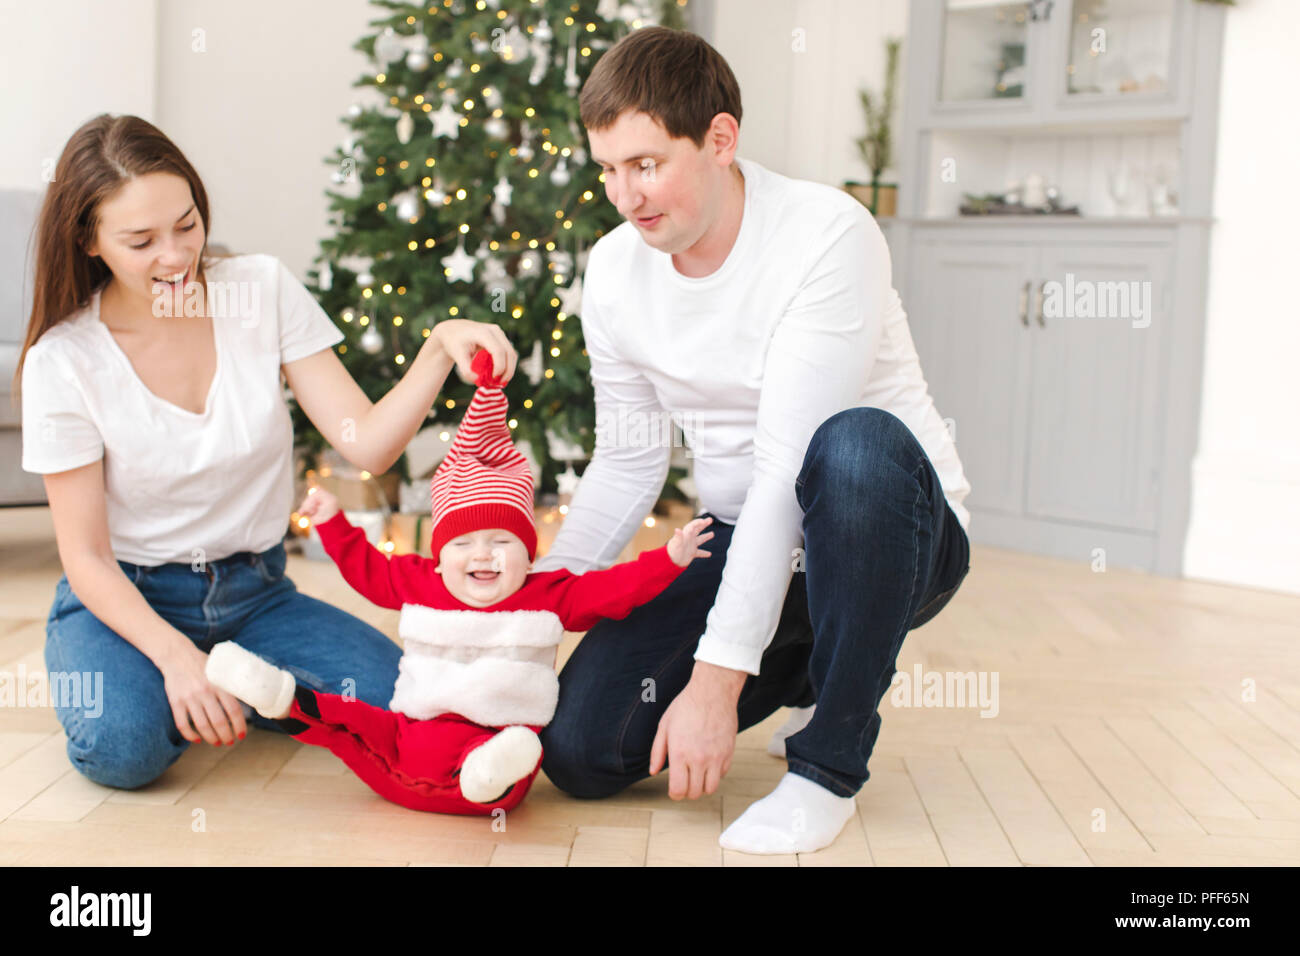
(166, 447)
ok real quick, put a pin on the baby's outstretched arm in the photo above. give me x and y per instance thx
(684, 548)
(319, 506)
(388, 581)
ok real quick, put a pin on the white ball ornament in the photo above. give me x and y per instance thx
(389, 46)
(560, 174)
(408, 205)
(371, 341)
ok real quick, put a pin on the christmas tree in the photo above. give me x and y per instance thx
(467, 193)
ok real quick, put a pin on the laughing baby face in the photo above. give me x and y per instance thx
(482, 568)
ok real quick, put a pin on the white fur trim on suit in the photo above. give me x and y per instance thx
(489, 691)
(495, 668)
(429, 625)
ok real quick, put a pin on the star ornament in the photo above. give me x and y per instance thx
(503, 191)
(571, 298)
(446, 121)
(459, 265)
(567, 482)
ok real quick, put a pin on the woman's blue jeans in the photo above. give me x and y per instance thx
(129, 737)
(883, 554)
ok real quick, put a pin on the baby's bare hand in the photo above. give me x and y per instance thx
(684, 548)
(319, 506)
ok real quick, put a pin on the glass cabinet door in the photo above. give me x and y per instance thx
(1120, 47)
(985, 46)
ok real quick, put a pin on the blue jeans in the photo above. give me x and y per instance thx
(129, 738)
(883, 554)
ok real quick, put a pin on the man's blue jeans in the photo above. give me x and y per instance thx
(245, 598)
(883, 554)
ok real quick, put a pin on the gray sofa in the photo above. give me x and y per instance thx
(18, 211)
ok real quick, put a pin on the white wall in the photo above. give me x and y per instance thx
(1246, 478)
(63, 64)
(801, 109)
(256, 112)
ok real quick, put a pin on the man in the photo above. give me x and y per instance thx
(758, 312)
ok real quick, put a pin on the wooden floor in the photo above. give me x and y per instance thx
(1141, 721)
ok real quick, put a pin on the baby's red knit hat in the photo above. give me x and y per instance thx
(484, 482)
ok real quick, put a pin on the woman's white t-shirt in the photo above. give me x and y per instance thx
(181, 486)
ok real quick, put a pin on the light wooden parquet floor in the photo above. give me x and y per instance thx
(1141, 721)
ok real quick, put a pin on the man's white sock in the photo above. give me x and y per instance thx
(797, 721)
(799, 816)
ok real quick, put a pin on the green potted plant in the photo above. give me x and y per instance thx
(877, 146)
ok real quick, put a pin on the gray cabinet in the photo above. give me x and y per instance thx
(1094, 397)
(975, 353)
(1044, 349)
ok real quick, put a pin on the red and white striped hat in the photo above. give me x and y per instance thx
(484, 482)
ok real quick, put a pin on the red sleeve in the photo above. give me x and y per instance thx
(581, 600)
(385, 580)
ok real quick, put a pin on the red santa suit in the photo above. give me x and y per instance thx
(465, 672)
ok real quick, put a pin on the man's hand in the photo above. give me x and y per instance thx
(697, 733)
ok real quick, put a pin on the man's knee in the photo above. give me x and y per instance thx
(860, 429)
(579, 762)
(856, 450)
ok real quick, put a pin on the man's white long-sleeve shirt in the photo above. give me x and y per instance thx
(801, 321)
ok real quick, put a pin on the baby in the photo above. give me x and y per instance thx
(476, 682)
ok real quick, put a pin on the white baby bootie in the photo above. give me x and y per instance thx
(491, 768)
(267, 688)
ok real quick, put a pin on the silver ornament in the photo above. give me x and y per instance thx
(417, 60)
(389, 46)
(405, 127)
(408, 206)
(560, 174)
(371, 341)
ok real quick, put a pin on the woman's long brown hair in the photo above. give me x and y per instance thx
(100, 157)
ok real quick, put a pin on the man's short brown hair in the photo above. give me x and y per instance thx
(672, 75)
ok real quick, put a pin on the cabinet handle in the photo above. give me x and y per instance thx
(1024, 304)
(1042, 294)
